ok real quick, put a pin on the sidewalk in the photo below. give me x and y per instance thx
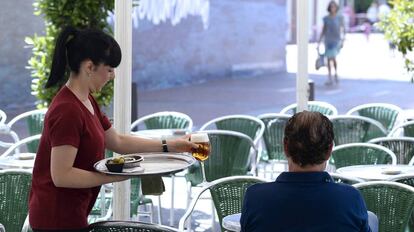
(368, 73)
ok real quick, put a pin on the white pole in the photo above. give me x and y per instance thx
(302, 31)
(122, 97)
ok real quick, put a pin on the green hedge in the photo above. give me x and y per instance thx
(398, 27)
(58, 14)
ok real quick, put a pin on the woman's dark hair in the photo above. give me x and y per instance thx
(75, 46)
(330, 5)
(309, 137)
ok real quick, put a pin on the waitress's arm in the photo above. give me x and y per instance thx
(66, 176)
(127, 144)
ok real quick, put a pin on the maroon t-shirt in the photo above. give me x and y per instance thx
(67, 122)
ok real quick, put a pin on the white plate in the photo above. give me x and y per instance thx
(154, 164)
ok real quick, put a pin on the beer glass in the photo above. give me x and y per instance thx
(203, 151)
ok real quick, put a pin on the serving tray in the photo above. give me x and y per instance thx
(153, 164)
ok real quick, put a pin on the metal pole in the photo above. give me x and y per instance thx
(122, 98)
(302, 29)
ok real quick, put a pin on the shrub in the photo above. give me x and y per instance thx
(398, 27)
(58, 14)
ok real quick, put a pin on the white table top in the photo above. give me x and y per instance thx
(161, 133)
(375, 172)
(232, 222)
(21, 160)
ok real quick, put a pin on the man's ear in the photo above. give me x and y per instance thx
(285, 147)
(329, 151)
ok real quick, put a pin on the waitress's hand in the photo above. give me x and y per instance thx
(182, 144)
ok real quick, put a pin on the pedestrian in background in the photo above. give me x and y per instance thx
(333, 34)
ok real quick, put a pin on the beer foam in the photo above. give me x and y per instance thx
(199, 138)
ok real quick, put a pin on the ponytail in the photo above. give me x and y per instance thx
(59, 62)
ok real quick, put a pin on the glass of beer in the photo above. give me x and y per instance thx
(203, 151)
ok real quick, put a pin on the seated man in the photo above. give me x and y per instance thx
(306, 198)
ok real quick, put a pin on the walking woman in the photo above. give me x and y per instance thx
(76, 133)
(333, 33)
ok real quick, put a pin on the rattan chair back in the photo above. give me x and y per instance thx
(227, 194)
(392, 202)
(384, 113)
(355, 129)
(403, 147)
(229, 156)
(361, 154)
(273, 135)
(164, 120)
(14, 194)
(313, 106)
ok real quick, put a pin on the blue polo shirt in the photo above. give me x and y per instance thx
(304, 202)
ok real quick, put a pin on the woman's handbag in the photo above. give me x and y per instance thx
(320, 60)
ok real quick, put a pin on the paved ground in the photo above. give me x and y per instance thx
(368, 72)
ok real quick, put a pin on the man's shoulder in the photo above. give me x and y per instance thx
(346, 190)
(258, 187)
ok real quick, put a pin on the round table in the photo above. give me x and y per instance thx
(232, 222)
(21, 160)
(375, 172)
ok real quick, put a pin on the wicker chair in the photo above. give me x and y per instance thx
(313, 106)
(164, 120)
(403, 147)
(128, 226)
(384, 113)
(361, 154)
(355, 129)
(273, 140)
(391, 202)
(273, 135)
(407, 179)
(404, 129)
(229, 156)
(248, 125)
(14, 194)
(227, 193)
(339, 178)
